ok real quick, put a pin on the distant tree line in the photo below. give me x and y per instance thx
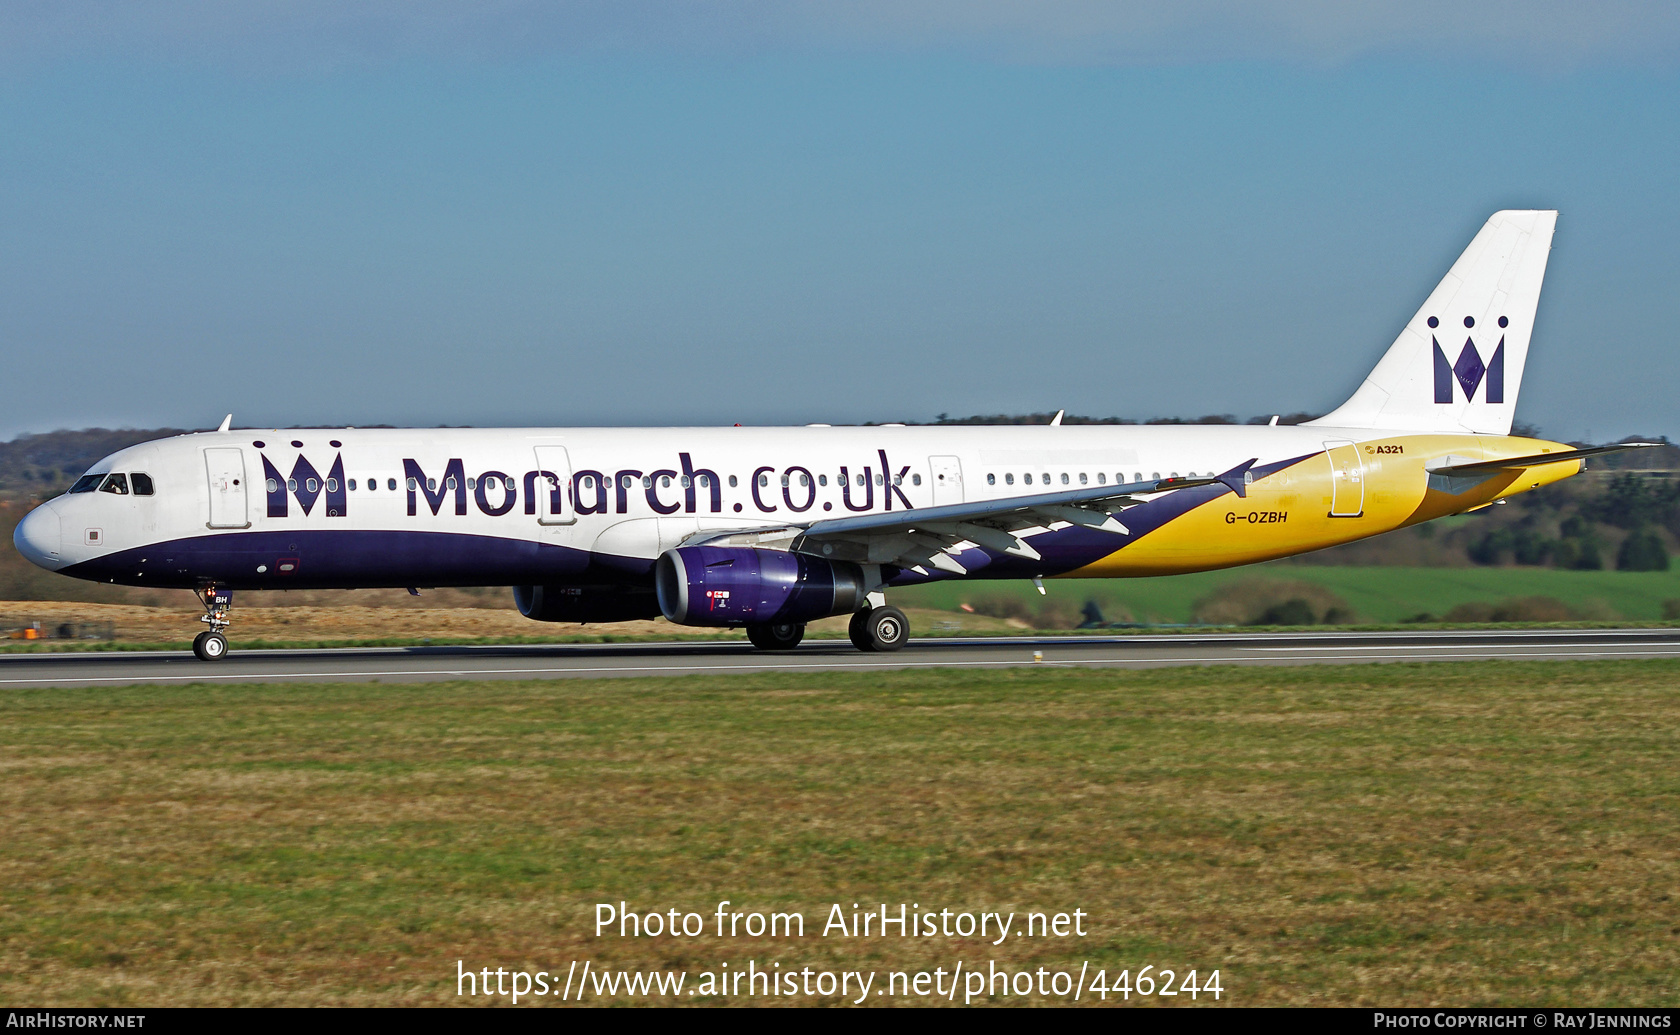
(1075, 418)
(1643, 506)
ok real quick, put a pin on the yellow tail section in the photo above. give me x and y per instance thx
(1351, 490)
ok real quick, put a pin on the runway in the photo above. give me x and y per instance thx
(430, 664)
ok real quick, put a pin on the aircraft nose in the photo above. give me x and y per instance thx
(39, 538)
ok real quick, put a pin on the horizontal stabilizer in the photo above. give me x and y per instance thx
(1516, 463)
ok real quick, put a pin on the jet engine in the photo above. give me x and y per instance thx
(584, 603)
(722, 585)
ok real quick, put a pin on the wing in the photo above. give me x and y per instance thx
(926, 536)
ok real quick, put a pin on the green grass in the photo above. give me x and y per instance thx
(1379, 594)
(1403, 834)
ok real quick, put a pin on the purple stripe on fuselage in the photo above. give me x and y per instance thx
(320, 559)
(1069, 549)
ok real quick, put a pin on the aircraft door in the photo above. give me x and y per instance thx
(1347, 479)
(226, 470)
(553, 486)
(947, 479)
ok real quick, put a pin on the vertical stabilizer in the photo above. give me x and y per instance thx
(1459, 363)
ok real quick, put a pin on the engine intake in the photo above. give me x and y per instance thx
(727, 585)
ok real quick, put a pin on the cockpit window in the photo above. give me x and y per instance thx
(115, 483)
(86, 483)
(142, 484)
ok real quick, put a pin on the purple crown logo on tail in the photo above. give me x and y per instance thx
(1469, 370)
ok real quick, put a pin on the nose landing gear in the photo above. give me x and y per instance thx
(211, 644)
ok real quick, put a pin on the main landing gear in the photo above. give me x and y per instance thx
(776, 636)
(211, 644)
(879, 629)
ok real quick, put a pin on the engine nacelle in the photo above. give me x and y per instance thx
(584, 603)
(732, 585)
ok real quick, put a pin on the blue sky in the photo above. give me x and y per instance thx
(640, 214)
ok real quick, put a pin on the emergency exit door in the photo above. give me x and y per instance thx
(947, 479)
(553, 486)
(1347, 479)
(225, 468)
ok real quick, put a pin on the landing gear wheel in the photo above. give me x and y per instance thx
(879, 630)
(210, 646)
(776, 636)
(857, 631)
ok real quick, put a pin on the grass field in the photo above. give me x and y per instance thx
(1462, 834)
(1378, 594)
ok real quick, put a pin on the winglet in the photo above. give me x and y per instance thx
(227, 422)
(1237, 479)
(1056, 421)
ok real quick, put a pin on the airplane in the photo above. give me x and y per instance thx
(772, 528)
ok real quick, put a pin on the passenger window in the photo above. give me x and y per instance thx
(822, 479)
(733, 481)
(472, 484)
(1045, 478)
(413, 484)
(391, 484)
(1008, 479)
(1026, 479)
(312, 485)
(142, 484)
(332, 484)
(1064, 478)
(1102, 479)
(1082, 478)
(804, 481)
(449, 483)
(915, 479)
(273, 486)
(351, 485)
(117, 484)
(685, 481)
(991, 479)
(86, 483)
